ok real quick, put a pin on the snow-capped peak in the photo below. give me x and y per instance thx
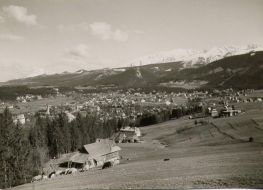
(166, 56)
(191, 57)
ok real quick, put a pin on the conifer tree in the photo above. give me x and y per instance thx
(15, 152)
(6, 142)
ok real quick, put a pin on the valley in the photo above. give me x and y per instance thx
(148, 94)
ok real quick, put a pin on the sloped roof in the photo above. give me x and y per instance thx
(65, 158)
(98, 148)
(127, 128)
(101, 147)
(115, 148)
(79, 158)
(128, 133)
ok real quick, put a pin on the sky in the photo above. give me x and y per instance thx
(53, 36)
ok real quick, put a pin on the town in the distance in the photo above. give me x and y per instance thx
(134, 94)
(69, 127)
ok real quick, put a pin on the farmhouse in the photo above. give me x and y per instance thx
(127, 134)
(93, 155)
(20, 118)
(214, 113)
(75, 160)
(229, 112)
(136, 130)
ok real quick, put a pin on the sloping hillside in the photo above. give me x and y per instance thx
(65, 79)
(180, 154)
(131, 77)
(240, 71)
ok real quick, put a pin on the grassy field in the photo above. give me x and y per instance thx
(215, 154)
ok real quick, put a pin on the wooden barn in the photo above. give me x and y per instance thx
(126, 137)
(93, 155)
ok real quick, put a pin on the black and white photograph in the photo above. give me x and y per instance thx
(131, 94)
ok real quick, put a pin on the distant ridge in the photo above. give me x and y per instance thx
(192, 57)
(238, 71)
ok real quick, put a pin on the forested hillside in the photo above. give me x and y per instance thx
(24, 150)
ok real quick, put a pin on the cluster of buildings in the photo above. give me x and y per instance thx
(239, 99)
(222, 103)
(226, 111)
(117, 104)
(132, 103)
(28, 98)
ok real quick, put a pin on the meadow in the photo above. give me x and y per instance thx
(214, 153)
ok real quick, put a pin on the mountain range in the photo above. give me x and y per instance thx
(224, 67)
(192, 57)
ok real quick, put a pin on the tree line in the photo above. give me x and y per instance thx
(154, 117)
(10, 93)
(58, 136)
(16, 154)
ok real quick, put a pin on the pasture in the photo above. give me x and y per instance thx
(215, 153)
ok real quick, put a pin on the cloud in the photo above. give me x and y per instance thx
(101, 30)
(74, 27)
(104, 31)
(78, 52)
(10, 37)
(20, 14)
(74, 58)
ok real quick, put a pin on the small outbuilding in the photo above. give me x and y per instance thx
(128, 135)
(136, 130)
